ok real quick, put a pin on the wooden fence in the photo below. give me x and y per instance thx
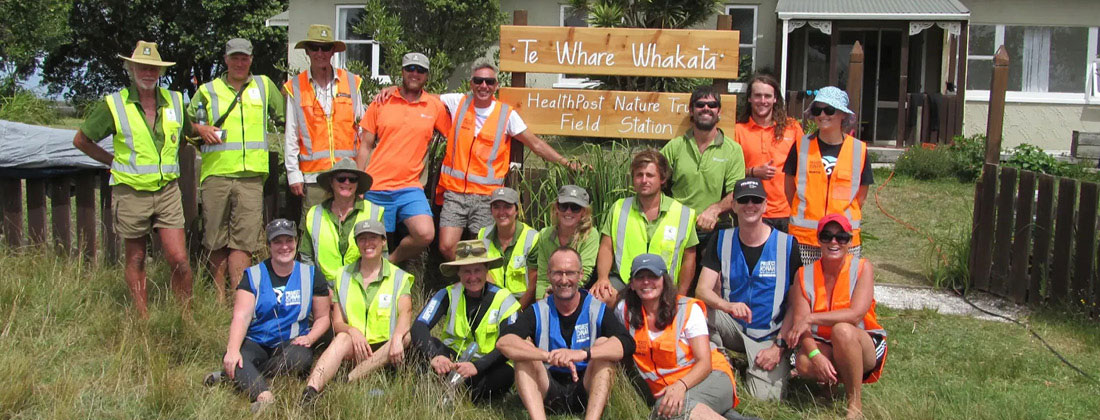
(55, 188)
(1034, 237)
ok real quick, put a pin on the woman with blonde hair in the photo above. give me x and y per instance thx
(573, 227)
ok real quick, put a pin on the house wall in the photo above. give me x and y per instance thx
(303, 14)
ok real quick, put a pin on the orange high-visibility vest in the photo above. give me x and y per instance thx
(843, 289)
(477, 164)
(665, 360)
(324, 139)
(818, 194)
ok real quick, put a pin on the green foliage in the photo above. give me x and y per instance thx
(607, 180)
(28, 29)
(951, 260)
(921, 163)
(25, 107)
(969, 154)
(1032, 158)
(190, 33)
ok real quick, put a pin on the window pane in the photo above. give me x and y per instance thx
(360, 53)
(1068, 57)
(744, 20)
(981, 40)
(817, 59)
(349, 18)
(978, 74)
(573, 17)
(1014, 43)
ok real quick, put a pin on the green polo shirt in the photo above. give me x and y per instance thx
(100, 123)
(538, 258)
(702, 179)
(651, 226)
(305, 242)
(372, 289)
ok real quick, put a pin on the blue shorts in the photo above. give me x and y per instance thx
(400, 204)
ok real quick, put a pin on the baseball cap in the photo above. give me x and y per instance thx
(504, 194)
(279, 227)
(370, 226)
(650, 262)
(238, 45)
(573, 194)
(834, 218)
(415, 58)
(749, 187)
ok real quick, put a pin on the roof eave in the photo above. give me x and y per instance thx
(873, 16)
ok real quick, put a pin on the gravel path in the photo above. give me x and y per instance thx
(910, 297)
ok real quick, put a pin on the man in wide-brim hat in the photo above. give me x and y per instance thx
(323, 111)
(472, 311)
(147, 123)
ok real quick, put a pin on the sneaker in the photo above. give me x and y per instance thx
(309, 395)
(213, 378)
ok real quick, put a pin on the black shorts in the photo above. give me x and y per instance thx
(878, 341)
(564, 396)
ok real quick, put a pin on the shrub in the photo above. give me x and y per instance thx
(1031, 158)
(922, 163)
(952, 271)
(969, 155)
(25, 107)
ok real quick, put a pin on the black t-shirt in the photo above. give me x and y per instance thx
(476, 308)
(524, 327)
(752, 254)
(320, 285)
(829, 154)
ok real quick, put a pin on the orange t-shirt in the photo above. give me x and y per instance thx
(760, 147)
(402, 132)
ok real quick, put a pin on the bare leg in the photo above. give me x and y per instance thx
(853, 354)
(238, 262)
(421, 234)
(135, 274)
(597, 380)
(448, 239)
(218, 267)
(175, 250)
(329, 362)
(704, 412)
(265, 397)
(380, 357)
(532, 383)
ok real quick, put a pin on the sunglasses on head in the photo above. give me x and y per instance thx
(280, 224)
(346, 178)
(817, 110)
(572, 207)
(413, 68)
(707, 104)
(467, 250)
(750, 199)
(489, 81)
(841, 237)
(319, 47)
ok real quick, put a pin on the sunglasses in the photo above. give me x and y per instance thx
(346, 179)
(467, 250)
(281, 224)
(413, 68)
(817, 110)
(571, 207)
(707, 104)
(750, 199)
(841, 237)
(488, 81)
(319, 47)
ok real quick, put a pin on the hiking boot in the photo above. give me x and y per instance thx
(213, 378)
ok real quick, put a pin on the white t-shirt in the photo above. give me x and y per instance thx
(454, 100)
(695, 326)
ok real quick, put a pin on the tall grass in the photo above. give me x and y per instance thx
(26, 107)
(606, 177)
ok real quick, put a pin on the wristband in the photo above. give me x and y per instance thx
(587, 354)
(685, 384)
(814, 353)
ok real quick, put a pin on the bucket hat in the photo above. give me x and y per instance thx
(324, 180)
(469, 252)
(834, 97)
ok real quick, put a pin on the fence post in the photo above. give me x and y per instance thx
(1084, 242)
(981, 242)
(1002, 238)
(1021, 240)
(1063, 238)
(36, 210)
(12, 189)
(1044, 231)
(855, 83)
(995, 123)
(60, 214)
(107, 214)
(85, 214)
(519, 18)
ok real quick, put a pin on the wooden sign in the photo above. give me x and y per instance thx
(619, 51)
(609, 113)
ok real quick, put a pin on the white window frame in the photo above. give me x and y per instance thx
(375, 51)
(755, 28)
(1093, 75)
(571, 82)
(982, 95)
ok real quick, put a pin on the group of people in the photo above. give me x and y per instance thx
(756, 250)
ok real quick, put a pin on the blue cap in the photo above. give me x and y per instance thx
(833, 96)
(649, 262)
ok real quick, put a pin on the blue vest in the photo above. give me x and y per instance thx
(764, 290)
(548, 329)
(280, 315)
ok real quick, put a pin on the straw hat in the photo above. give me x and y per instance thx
(321, 34)
(146, 53)
(470, 252)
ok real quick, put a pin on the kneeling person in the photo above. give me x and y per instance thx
(565, 346)
(474, 311)
(367, 329)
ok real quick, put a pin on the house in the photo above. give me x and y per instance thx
(916, 52)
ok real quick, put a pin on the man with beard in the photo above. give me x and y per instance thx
(396, 134)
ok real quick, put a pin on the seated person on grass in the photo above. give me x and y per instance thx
(372, 316)
(270, 332)
(833, 317)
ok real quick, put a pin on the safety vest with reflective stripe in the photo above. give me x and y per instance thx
(548, 327)
(324, 229)
(477, 163)
(457, 335)
(814, 280)
(818, 194)
(324, 139)
(631, 239)
(283, 315)
(244, 148)
(138, 163)
(378, 319)
(764, 289)
(513, 274)
(666, 359)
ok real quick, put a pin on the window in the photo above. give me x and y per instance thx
(1046, 63)
(361, 48)
(570, 17)
(1094, 74)
(744, 20)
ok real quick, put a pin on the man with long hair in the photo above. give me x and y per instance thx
(766, 135)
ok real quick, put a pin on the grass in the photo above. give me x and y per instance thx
(69, 347)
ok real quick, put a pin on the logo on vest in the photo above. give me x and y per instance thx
(493, 315)
(170, 114)
(384, 301)
(519, 260)
(278, 295)
(670, 233)
(293, 297)
(582, 332)
(254, 93)
(767, 268)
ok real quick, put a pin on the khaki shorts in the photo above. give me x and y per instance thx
(232, 212)
(314, 195)
(138, 212)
